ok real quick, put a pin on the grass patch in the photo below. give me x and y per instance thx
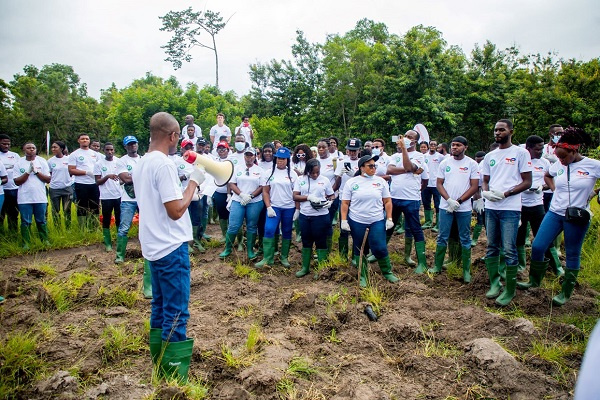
(301, 367)
(332, 337)
(63, 293)
(244, 311)
(245, 355)
(118, 297)
(244, 271)
(43, 269)
(558, 354)
(212, 244)
(20, 365)
(119, 341)
(375, 297)
(510, 313)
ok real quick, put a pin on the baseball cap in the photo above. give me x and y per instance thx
(250, 150)
(282, 152)
(223, 143)
(129, 139)
(201, 142)
(185, 142)
(353, 144)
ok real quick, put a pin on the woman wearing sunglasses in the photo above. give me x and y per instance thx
(302, 154)
(365, 198)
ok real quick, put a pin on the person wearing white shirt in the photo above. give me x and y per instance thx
(555, 131)
(313, 195)
(3, 180)
(278, 197)
(31, 176)
(189, 121)
(81, 167)
(457, 181)
(330, 168)
(184, 169)
(220, 195)
(349, 169)
(219, 130)
(164, 231)
(61, 184)
(10, 209)
(108, 182)
(191, 137)
(366, 204)
(575, 177)
(433, 160)
(266, 161)
(478, 206)
(302, 153)
(407, 167)
(506, 174)
(246, 202)
(245, 129)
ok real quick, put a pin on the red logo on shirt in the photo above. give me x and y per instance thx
(582, 173)
(538, 168)
(463, 169)
(510, 161)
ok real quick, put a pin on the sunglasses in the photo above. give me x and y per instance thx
(370, 166)
(302, 155)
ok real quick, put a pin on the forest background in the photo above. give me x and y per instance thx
(366, 83)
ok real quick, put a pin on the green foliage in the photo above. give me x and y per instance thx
(64, 292)
(20, 365)
(119, 340)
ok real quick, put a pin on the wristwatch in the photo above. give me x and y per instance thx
(459, 201)
(251, 196)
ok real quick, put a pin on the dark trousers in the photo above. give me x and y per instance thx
(313, 228)
(88, 197)
(108, 207)
(427, 194)
(10, 210)
(220, 203)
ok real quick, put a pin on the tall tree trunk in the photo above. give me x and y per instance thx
(216, 62)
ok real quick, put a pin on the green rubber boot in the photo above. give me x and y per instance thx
(476, 233)
(428, 222)
(537, 270)
(511, 284)
(343, 247)
(107, 239)
(259, 245)
(371, 258)
(44, 235)
(567, 287)
(354, 262)
(197, 241)
(502, 265)
(26, 236)
(229, 239)
(440, 253)
(250, 237)
(297, 229)
(322, 256)
(466, 264)
(399, 225)
(528, 236)
(276, 244)
(522, 261)
(155, 344)
(436, 228)
(240, 240)
(364, 274)
(306, 258)
(421, 258)
(268, 253)
(121, 249)
(285, 252)
(224, 224)
(491, 264)
(386, 269)
(408, 244)
(175, 362)
(555, 262)
(147, 280)
(205, 225)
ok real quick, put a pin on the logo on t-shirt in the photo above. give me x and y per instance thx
(239, 173)
(302, 183)
(234, 161)
(81, 158)
(448, 168)
(560, 172)
(104, 169)
(129, 167)
(182, 166)
(52, 165)
(355, 186)
(463, 169)
(539, 169)
(581, 173)
(510, 160)
(22, 170)
(492, 162)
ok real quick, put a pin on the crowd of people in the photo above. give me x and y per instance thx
(274, 190)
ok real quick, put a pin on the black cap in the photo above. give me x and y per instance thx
(353, 144)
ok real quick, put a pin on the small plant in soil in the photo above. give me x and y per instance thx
(212, 244)
(297, 294)
(119, 340)
(63, 293)
(301, 367)
(332, 337)
(43, 269)
(372, 295)
(20, 365)
(242, 271)
(118, 297)
(558, 354)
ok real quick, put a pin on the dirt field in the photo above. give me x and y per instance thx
(432, 339)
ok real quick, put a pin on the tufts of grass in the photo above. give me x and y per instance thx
(118, 297)
(511, 312)
(64, 293)
(297, 294)
(590, 252)
(244, 271)
(332, 337)
(432, 347)
(372, 295)
(453, 271)
(20, 365)
(396, 258)
(246, 354)
(301, 367)
(212, 244)
(244, 311)
(255, 339)
(119, 341)
(286, 389)
(43, 269)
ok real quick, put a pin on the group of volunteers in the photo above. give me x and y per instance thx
(275, 190)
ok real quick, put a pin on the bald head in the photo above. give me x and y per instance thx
(162, 124)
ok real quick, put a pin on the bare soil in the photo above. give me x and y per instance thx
(397, 357)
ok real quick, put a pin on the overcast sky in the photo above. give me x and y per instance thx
(119, 41)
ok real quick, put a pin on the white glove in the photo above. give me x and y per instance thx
(271, 212)
(478, 206)
(245, 198)
(88, 173)
(498, 194)
(453, 205)
(550, 157)
(539, 189)
(296, 215)
(345, 226)
(229, 201)
(197, 176)
(327, 204)
(312, 198)
(209, 201)
(31, 168)
(389, 224)
(491, 195)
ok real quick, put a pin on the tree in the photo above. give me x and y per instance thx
(187, 27)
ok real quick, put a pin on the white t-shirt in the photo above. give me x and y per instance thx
(156, 183)
(128, 164)
(217, 131)
(504, 167)
(2, 173)
(540, 167)
(267, 166)
(59, 168)
(245, 130)
(236, 158)
(320, 187)
(330, 170)
(583, 178)
(382, 164)
(366, 198)
(9, 160)
(300, 166)
(111, 189)
(84, 160)
(34, 189)
(280, 187)
(433, 163)
(247, 180)
(197, 132)
(457, 175)
(407, 186)
(353, 169)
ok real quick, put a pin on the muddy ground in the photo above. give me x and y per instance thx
(436, 338)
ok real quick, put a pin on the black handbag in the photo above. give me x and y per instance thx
(575, 215)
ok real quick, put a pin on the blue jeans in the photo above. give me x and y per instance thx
(427, 194)
(238, 212)
(1, 200)
(501, 228)
(552, 225)
(284, 216)
(375, 241)
(128, 209)
(36, 210)
(463, 220)
(313, 230)
(195, 212)
(171, 294)
(410, 209)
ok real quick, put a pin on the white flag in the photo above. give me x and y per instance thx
(47, 142)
